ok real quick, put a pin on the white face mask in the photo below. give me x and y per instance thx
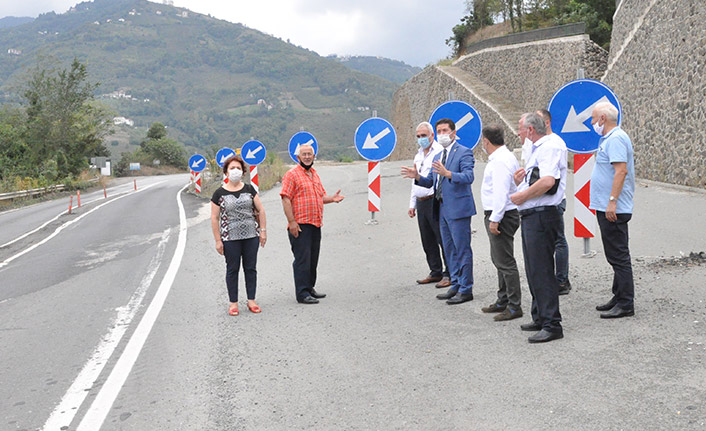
(444, 140)
(235, 175)
(598, 129)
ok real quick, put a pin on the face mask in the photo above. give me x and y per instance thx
(598, 129)
(235, 175)
(307, 167)
(424, 142)
(444, 140)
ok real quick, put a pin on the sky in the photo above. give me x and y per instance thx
(413, 31)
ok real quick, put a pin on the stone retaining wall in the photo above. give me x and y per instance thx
(530, 73)
(416, 100)
(660, 79)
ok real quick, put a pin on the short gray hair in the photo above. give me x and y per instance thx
(536, 121)
(299, 149)
(607, 109)
(426, 124)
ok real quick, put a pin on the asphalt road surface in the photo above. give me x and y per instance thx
(115, 318)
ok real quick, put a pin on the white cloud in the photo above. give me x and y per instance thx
(413, 31)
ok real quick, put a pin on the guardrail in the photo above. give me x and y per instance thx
(35, 192)
(529, 36)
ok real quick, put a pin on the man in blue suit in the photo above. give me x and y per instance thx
(452, 176)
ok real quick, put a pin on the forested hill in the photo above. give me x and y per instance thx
(13, 21)
(213, 83)
(393, 70)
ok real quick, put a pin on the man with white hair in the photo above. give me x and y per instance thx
(421, 204)
(612, 190)
(540, 191)
(303, 198)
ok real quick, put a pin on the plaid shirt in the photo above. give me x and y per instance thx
(306, 193)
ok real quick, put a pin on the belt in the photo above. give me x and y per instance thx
(529, 211)
(425, 198)
(489, 212)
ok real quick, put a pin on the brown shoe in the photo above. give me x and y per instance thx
(445, 282)
(429, 279)
(509, 314)
(493, 308)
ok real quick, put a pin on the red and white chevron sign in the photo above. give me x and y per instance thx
(374, 186)
(584, 218)
(254, 179)
(197, 181)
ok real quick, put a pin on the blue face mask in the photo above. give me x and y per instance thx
(423, 142)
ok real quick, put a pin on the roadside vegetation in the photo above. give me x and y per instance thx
(514, 16)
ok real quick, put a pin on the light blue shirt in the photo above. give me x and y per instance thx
(615, 147)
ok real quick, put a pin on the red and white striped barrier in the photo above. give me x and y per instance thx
(584, 218)
(197, 182)
(374, 187)
(254, 180)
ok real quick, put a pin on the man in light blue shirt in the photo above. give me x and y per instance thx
(612, 191)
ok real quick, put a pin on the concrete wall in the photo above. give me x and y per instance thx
(658, 70)
(530, 73)
(417, 98)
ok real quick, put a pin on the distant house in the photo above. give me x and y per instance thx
(122, 20)
(159, 12)
(119, 121)
(14, 51)
(96, 23)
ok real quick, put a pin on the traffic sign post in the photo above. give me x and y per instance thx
(254, 153)
(299, 139)
(197, 163)
(466, 118)
(375, 139)
(571, 108)
(221, 157)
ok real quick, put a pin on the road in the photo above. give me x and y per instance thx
(380, 352)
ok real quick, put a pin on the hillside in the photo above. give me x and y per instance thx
(14, 21)
(392, 70)
(213, 83)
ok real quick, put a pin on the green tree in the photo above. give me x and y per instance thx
(157, 131)
(64, 123)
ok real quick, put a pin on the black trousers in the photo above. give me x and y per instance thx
(431, 238)
(502, 254)
(540, 230)
(615, 245)
(305, 248)
(234, 251)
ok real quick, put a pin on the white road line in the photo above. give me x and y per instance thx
(25, 235)
(103, 402)
(67, 408)
(67, 224)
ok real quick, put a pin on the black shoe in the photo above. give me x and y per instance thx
(308, 300)
(543, 336)
(531, 327)
(605, 307)
(617, 312)
(460, 298)
(565, 288)
(494, 308)
(316, 294)
(448, 295)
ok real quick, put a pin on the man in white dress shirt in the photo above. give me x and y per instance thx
(421, 204)
(501, 221)
(540, 191)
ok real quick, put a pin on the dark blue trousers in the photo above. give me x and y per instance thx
(431, 238)
(615, 245)
(540, 231)
(305, 248)
(234, 251)
(456, 236)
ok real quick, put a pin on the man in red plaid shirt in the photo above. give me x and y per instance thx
(303, 199)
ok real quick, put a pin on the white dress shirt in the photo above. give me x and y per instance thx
(422, 163)
(560, 142)
(498, 183)
(550, 156)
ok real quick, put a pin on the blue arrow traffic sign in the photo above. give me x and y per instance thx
(375, 139)
(223, 154)
(299, 139)
(467, 119)
(571, 108)
(197, 163)
(253, 152)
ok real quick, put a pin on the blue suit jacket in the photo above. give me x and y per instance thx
(456, 192)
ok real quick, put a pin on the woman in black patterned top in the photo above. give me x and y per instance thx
(238, 223)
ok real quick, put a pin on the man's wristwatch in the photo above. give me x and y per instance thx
(612, 199)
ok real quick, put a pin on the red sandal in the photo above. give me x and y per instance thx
(254, 308)
(233, 311)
